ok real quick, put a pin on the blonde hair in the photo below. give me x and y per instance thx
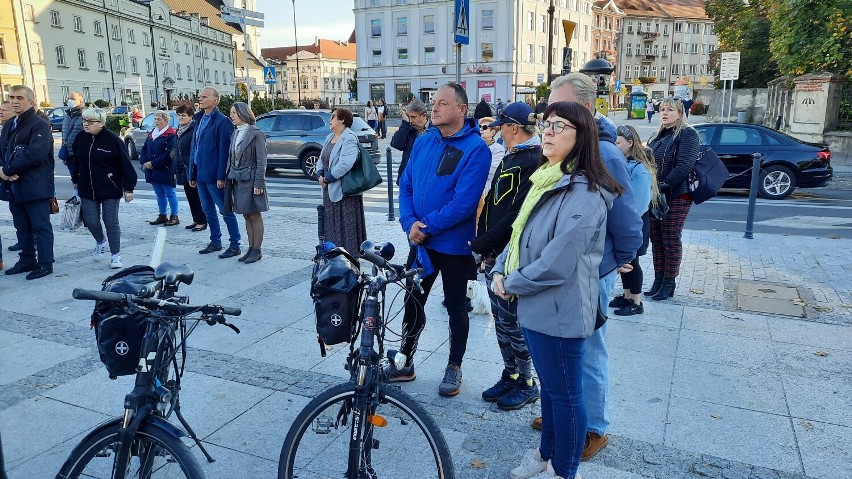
(640, 153)
(94, 114)
(484, 122)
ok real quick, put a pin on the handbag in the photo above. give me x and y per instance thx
(707, 176)
(240, 174)
(72, 217)
(54, 205)
(63, 152)
(659, 212)
(363, 176)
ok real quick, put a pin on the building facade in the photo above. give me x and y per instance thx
(324, 70)
(11, 69)
(406, 47)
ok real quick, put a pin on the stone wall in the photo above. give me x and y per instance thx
(754, 101)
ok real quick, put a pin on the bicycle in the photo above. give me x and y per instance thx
(142, 443)
(381, 416)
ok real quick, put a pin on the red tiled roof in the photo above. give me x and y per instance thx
(686, 9)
(327, 48)
(204, 8)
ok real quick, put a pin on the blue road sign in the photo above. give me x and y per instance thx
(269, 75)
(617, 85)
(462, 27)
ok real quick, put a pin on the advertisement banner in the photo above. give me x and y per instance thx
(486, 89)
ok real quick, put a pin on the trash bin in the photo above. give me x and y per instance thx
(637, 106)
(741, 116)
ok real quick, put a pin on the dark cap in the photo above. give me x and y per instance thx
(517, 113)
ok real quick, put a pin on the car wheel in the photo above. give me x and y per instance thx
(131, 150)
(776, 182)
(309, 163)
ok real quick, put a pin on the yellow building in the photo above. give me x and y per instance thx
(11, 72)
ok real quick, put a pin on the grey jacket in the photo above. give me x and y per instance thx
(561, 248)
(246, 170)
(72, 125)
(344, 154)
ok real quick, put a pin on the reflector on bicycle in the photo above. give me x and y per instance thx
(377, 420)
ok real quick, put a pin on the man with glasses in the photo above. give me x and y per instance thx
(439, 192)
(26, 149)
(509, 187)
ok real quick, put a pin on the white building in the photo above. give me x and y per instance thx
(406, 46)
(324, 67)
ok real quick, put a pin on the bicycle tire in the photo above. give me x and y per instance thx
(330, 399)
(94, 457)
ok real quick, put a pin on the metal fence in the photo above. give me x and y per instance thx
(844, 110)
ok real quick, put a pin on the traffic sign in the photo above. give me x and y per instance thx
(249, 80)
(240, 12)
(242, 20)
(258, 88)
(729, 68)
(269, 75)
(462, 27)
(617, 85)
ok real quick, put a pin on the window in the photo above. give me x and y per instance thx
(428, 23)
(627, 71)
(487, 51)
(654, 71)
(145, 40)
(694, 48)
(38, 54)
(65, 91)
(376, 27)
(60, 56)
(541, 56)
(222, 57)
(78, 23)
(429, 54)
(656, 49)
(97, 27)
(29, 13)
(488, 19)
(216, 76)
(636, 71)
(375, 3)
(81, 58)
(186, 48)
(665, 50)
(696, 28)
(657, 27)
(101, 61)
(675, 69)
(377, 58)
(692, 69)
(530, 53)
(189, 73)
(739, 136)
(585, 32)
(711, 48)
(206, 74)
(662, 73)
(530, 21)
(198, 74)
(629, 27)
(87, 96)
(149, 67)
(119, 62)
(197, 51)
(647, 49)
(678, 27)
(177, 46)
(710, 27)
(666, 30)
(116, 33)
(162, 43)
(134, 66)
(676, 48)
(543, 23)
(55, 21)
(165, 70)
(131, 36)
(206, 53)
(629, 49)
(645, 70)
(402, 56)
(402, 26)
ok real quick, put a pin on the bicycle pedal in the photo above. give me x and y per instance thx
(375, 443)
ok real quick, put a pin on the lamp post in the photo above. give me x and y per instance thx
(296, 38)
(550, 12)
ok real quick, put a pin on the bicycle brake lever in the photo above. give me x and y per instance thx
(219, 319)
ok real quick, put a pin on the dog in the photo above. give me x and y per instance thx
(478, 294)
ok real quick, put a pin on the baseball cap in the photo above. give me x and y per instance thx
(517, 113)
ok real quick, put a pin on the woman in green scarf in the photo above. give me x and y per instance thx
(550, 267)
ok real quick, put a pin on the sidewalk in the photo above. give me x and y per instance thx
(699, 388)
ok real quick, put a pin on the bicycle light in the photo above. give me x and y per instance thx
(397, 358)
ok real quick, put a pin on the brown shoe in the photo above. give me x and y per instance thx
(173, 220)
(594, 444)
(161, 219)
(536, 424)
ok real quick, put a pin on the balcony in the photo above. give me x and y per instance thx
(648, 58)
(650, 36)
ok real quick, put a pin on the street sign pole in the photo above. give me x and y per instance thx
(461, 32)
(729, 69)
(244, 18)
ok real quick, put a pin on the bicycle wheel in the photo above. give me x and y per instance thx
(154, 454)
(409, 444)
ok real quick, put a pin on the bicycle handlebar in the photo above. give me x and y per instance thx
(399, 270)
(181, 309)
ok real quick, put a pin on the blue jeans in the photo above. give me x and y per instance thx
(166, 193)
(596, 367)
(559, 364)
(212, 198)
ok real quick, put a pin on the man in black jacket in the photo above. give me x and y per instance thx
(509, 187)
(26, 148)
(403, 139)
(483, 109)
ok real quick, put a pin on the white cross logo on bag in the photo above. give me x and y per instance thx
(336, 320)
(122, 348)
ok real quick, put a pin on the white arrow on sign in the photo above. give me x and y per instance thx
(242, 20)
(240, 12)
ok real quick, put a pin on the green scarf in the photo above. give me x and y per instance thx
(543, 180)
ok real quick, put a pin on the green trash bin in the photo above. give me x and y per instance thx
(638, 104)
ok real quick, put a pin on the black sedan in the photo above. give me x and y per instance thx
(787, 162)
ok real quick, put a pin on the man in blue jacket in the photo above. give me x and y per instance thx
(208, 160)
(623, 239)
(439, 192)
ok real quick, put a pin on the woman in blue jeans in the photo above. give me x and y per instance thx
(157, 158)
(550, 267)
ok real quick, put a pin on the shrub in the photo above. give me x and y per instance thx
(101, 103)
(113, 123)
(698, 108)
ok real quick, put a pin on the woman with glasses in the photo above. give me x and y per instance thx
(550, 267)
(675, 148)
(102, 174)
(643, 182)
(157, 159)
(186, 127)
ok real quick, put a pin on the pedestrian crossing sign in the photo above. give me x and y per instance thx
(462, 20)
(269, 75)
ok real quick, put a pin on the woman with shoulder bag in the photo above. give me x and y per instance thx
(344, 216)
(158, 163)
(245, 187)
(102, 173)
(550, 266)
(643, 182)
(675, 148)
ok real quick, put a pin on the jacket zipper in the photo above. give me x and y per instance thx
(91, 181)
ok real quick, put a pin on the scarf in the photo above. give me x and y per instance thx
(543, 180)
(182, 128)
(155, 133)
(241, 133)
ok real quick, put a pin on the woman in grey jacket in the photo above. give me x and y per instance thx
(72, 125)
(550, 267)
(344, 216)
(245, 187)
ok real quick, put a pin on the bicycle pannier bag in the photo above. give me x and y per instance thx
(118, 333)
(336, 291)
(707, 177)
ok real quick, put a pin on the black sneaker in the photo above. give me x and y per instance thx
(451, 385)
(619, 302)
(630, 309)
(521, 395)
(403, 375)
(503, 386)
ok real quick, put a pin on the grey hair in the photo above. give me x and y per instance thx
(416, 106)
(585, 90)
(214, 90)
(244, 112)
(161, 114)
(531, 129)
(461, 93)
(26, 89)
(94, 114)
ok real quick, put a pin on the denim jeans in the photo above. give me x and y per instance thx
(212, 198)
(559, 364)
(34, 231)
(166, 193)
(596, 367)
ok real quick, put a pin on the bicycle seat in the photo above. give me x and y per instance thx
(173, 273)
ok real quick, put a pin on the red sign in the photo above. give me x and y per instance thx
(486, 83)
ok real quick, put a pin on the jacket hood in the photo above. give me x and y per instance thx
(469, 128)
(583, 181)
(606, 131)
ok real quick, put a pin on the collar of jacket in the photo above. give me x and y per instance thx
(469, 127)
(169, 131)
(24, 115)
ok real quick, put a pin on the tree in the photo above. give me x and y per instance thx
(542, 90)
(353, 84)
(744, 26)
(812, 36)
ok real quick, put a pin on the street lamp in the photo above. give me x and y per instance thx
(550, 12)
(296, 38)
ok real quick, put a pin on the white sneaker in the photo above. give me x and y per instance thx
(100, 250)
(116, 261)
(549, 473)
(531, 465)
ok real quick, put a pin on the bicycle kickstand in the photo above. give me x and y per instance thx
(192, 433)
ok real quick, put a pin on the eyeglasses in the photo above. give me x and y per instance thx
(557, 126)
(91, 122)
(625, 132)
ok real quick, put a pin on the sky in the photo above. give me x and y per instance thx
(328, 19)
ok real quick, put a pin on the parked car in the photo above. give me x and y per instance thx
(294, 138)
(56, 116)
(788, 162)
(135, 137)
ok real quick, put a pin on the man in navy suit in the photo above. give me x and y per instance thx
(209, 158)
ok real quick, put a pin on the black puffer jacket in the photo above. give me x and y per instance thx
(102, 170)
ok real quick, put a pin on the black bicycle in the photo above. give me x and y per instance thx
(143, 443)
(367, 428)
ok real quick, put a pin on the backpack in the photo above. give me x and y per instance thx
(707, 177)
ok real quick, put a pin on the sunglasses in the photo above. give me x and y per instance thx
(625, 132)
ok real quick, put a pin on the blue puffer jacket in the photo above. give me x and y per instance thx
(160, 153)
(441, 187)
(623, 223)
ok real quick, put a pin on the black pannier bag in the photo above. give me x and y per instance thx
(118, 333)
(335, 289)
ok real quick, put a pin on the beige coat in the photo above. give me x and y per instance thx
(246, 171)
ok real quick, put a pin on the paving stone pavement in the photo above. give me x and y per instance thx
(699, 389)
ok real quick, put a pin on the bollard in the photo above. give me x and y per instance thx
(390, 184)
(752, 195)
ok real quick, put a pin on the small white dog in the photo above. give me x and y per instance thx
(478, 294)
